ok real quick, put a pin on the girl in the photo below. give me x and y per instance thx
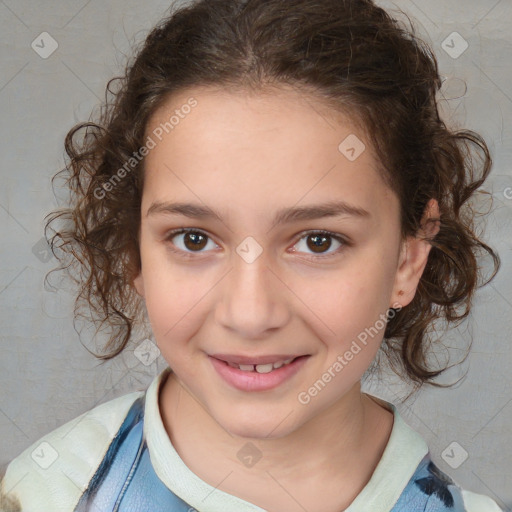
(274, 185)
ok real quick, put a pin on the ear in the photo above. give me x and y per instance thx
(414, 255)
(138, 282)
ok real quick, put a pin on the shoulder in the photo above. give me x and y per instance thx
(478, 502)
(56, 469)
(406, 479)
(432, 490)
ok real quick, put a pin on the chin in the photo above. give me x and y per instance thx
(258, 425)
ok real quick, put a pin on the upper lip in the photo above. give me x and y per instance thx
(239, 359)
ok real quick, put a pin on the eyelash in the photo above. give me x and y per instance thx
(305, 234)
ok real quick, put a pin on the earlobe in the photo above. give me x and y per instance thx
(414, 256)
(138, 282)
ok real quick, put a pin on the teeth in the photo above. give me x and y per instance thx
(260, 368)
(264, 368)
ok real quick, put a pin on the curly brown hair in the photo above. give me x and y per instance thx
(349, 54)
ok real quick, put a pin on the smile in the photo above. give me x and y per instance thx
(246, 376)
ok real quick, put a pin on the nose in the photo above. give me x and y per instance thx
(253, 299)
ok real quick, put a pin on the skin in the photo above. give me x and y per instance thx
(247, 156)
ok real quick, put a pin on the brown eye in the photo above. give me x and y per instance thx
(194, 241)
(188, 241)
(319, 242)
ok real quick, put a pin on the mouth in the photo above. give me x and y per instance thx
(257, 373)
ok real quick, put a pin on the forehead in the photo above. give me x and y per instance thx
(262, 150)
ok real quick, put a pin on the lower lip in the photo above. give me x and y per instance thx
(254, 381)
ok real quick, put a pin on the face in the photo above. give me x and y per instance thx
(270, 275)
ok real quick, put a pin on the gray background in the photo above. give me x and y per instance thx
(47, 377)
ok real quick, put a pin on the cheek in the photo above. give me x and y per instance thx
(174, 299)
(172, 311)
(347, 304)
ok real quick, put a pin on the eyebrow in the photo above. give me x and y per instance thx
(284, 216)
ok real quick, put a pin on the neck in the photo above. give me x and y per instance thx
(342, 445)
